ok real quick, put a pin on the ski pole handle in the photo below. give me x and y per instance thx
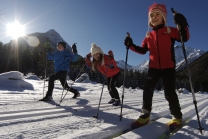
(175, 12)
(127, 34)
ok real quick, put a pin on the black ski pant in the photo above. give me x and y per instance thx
(111, 81)
(61, 76)
(168, 77)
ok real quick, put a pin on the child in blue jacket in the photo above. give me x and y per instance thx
(62, 59)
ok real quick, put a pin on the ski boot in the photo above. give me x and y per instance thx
(111, 101)
(116, 102)
(174, 124)
(46, 98)
(77, 94)
(142, 120)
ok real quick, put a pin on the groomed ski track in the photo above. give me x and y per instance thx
(31, 115)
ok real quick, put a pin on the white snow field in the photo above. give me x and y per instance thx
(22, 116)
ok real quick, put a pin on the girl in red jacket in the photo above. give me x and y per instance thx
(108, 67)
(160, 44)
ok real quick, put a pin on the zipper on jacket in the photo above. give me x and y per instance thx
(158, 48)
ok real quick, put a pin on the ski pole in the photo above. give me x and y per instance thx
(96, 116)
(45, 72)
(189, 74)
(127, 49)
(47, 45)
(70, 86)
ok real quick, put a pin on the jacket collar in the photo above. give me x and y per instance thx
(158, 27)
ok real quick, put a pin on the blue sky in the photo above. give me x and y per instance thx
(104, 22)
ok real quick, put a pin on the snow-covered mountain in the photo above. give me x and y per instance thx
(39, 39)
(141, 67)
(52, 36)
(192, 54)
(121, 64)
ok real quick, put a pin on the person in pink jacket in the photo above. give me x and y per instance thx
(160, 44)
(108, 67)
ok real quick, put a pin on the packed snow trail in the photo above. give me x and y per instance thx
(159, 127)
(44, 120)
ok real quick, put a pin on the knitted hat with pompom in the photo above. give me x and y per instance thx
(95, 49)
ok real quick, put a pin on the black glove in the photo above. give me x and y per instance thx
(74, 48)
(180, 20)
(110, 54)
(87, 60)
(128, 42)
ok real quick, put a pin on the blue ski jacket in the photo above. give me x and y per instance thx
(62, 59)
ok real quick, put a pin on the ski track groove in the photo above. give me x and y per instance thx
(50, 113)
(60, 109)
(63, 109)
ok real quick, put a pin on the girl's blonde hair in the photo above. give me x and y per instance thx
(97, 63)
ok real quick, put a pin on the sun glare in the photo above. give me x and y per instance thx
(15, 30)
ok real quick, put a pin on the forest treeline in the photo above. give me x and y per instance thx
(27, 59)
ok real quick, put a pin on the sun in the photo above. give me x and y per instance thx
(15, 30)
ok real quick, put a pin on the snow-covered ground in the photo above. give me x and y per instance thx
(22, 116)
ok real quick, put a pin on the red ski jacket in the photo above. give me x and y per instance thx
(160, 44)
(108, 66)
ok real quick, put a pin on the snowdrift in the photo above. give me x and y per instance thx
(14, 80)
(84, 78)
(33, 77)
